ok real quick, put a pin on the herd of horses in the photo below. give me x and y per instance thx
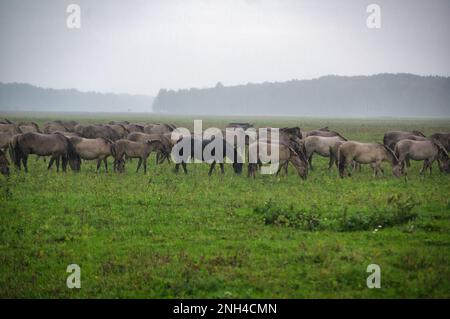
(68, 143)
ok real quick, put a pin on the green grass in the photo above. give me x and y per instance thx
(163, 235)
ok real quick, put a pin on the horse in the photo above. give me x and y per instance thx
(93, 149)
(183, 157)
(367, 153)
(322, 146)
(286, 155)
(133, 150)
(427, 151)
(164, 138)
(55, 145)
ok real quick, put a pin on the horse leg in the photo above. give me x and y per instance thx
(57, 164)
(211, 168)
(284, 166)
(330, 163)
(50, 163)
(310, 161)
(374, 168)
(430, 165)
(279, 169)
(64, 163)
(184, 167)
(177, 166)
(105, 161)
(139, 164)
(380, 169)
(145, 165)
(99, 162)
(222, 168)
(24, 162)
(424, 167)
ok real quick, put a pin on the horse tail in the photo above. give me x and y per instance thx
(342, 160)
(15, 152)
(71, 150)
(113, 150)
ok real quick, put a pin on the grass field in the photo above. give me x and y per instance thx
(163, 235)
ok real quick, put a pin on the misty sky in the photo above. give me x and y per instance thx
(141, 46)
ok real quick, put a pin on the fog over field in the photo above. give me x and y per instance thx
(254, 56)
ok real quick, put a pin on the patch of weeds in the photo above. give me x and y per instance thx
(399, 212)
(288, 217)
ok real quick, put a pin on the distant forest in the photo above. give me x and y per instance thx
(25, 97)
(398, 95)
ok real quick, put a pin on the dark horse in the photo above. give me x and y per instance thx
(183, 157)
(55, 145)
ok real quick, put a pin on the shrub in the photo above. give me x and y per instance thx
(274, 215)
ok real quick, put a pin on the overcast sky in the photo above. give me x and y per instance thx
(141, 46)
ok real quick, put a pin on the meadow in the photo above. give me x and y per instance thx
(163, 235)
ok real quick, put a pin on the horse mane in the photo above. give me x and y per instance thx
(339, 135)
(170, 128)
(396, 161)
(123, 126)
(107, 140)
(441, 148)
(418, 133)
(299, 154)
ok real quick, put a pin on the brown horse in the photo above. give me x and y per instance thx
(26, 127)
(286, 155)
(164, 138)
(322, 146)
(367, 153)
(134, 150)
(93, 149)
(56, 145)
(427, 151)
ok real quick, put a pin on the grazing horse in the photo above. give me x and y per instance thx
(96, 131)
(26, 127)
(9, 128)
(393, 137)
(134, 150)
(55, 145)
(93, 149)
(132, 127)
(427, 151)
(120, 129)
(367, 153)
(4, 164)
(164, 138)
(322, 146)
(286, 154)
(158, 128)
(443, 138)
(324, 132)
(184, 157)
